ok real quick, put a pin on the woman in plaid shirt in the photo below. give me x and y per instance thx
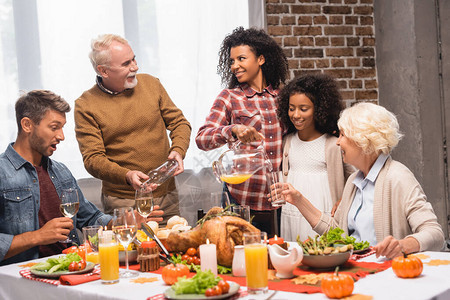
(253, 66)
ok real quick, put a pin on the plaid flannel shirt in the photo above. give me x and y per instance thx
(243, 105)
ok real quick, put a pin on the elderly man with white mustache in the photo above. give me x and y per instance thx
(121, 127)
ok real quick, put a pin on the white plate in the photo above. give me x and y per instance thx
(170, 293)
(89, 267)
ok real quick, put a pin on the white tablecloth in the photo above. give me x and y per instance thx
(434, 283)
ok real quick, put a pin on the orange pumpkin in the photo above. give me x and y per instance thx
(171, 272)
(337, 285)
(407, 266)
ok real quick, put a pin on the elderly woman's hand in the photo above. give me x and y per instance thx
(391, 247)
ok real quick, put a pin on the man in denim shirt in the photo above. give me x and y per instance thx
(31, 224)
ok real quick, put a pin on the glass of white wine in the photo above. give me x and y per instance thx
(125, 228)
(69, 206)
(144, 201)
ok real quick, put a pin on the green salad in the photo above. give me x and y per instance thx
(198, 284)
(54, 264)
(325, 243)
(337, 236)
(195, 268)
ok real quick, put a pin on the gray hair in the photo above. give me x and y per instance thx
(371, 127)
(36, 103)
(100, 53)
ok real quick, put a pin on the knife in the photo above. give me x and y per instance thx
(149, 231)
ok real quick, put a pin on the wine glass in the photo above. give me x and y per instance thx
(144, 200)
(125, 228)
(69, 206)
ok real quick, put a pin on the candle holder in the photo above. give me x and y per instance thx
(148, 257)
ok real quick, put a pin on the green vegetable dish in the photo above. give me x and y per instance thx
(195, 268)
(197, 284)
(334, 236)
(55, 264)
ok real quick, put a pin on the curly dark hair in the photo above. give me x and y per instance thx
(275, 68)
(323, 92)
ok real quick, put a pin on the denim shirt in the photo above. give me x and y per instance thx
(20, 201)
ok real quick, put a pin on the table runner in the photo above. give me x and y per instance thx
(355, 269)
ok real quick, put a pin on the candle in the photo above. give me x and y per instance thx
(276, 240)
(148, 244)
(208, 257)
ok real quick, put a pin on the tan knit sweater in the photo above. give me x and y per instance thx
(128, 131)
(400, 208)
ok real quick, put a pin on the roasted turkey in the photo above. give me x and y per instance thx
(223, 230)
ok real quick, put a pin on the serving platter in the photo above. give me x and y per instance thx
(234, 288)
(89, 267)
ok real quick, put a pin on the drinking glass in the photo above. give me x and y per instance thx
(275, 187)
(243, 211)
(109, 257)
(69, 206)
(159, 175)
(220, 199)
(144, 200)
(256, 262)
(125, 227)
(90, 234)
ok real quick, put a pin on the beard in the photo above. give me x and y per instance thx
(38, 144)
(132, 84)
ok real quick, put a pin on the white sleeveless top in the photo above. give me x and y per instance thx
(308, 174)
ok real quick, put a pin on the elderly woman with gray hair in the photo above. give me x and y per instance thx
(382, 203)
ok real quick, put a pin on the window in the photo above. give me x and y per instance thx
(45, 44)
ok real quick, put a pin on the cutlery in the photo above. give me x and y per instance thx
(271, 296)
(149, 231)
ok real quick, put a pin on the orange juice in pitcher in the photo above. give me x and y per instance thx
(235, 178)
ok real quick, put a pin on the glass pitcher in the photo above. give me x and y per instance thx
(239, 163)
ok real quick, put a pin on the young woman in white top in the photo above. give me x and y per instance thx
(309, 108)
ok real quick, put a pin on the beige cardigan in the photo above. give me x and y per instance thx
(337, 170)
(400, 208)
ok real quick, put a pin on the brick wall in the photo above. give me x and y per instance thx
(330, 36)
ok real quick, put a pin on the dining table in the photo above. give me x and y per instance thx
(433, 283)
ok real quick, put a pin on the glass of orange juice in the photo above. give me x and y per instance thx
(109, 257)
(90, 234)
(256, 264)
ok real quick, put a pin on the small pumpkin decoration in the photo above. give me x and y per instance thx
(337, 285)
(407, 266)
(171, 272)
